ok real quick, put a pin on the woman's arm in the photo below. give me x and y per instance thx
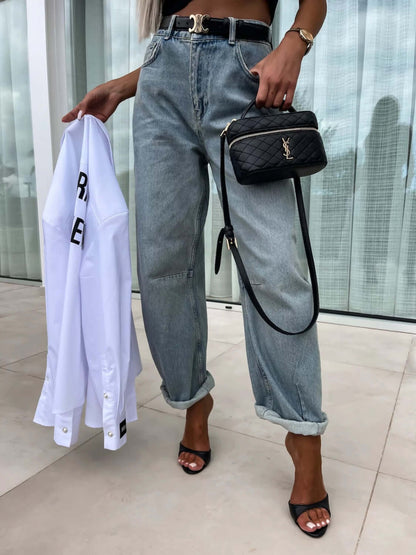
(126, 85)
(279, 71)
(310, 16)
(103, 100)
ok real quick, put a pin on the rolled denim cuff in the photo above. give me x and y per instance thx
(295, 426)
(205, 388)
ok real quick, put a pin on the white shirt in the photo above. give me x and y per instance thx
(93, 357)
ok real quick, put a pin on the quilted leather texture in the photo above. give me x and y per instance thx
(268, 122)
(264, 157)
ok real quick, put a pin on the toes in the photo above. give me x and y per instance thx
(196, 464)
(314, 519)
(191, 461)
(318, 517)
(183, 459)
(199, 463)
(193, 466)
(323, 516)
(306, 522)
(326, 516)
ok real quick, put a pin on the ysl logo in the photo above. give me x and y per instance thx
(287, 149)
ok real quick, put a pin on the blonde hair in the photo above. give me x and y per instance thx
(149, 14)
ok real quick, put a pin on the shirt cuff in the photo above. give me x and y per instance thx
(66, 428)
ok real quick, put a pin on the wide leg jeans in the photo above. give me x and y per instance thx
(190, 86)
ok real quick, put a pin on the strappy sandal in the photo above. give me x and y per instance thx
(204, 455)
(297, 510)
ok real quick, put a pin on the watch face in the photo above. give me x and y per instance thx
(306, 35)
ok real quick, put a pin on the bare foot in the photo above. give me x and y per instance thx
(196, 433)
(309, 485)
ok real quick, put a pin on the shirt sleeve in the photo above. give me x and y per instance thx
(106, 321)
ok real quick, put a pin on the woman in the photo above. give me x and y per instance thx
(198, 74)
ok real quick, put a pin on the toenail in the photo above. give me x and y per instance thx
(328, 521)
(310, 525)
(192, 465)
(323, 523)
(318, 524)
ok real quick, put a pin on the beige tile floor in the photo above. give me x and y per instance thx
(137, 501)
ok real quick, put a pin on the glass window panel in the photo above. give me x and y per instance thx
(383, 141)
(361, 84)
(19, 235)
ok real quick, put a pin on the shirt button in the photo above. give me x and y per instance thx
(110, 434)
(105, 395)
(65, 430)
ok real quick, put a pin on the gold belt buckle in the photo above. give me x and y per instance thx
(198, 20)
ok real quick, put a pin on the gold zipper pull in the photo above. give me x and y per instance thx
(224, 131)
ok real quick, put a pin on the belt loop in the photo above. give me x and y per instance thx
(271, 35)
(170, 28)
(231, 36)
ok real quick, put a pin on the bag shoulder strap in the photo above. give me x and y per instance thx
(228, 232)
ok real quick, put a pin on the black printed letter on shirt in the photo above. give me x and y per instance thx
(82, 186)
(77, 229)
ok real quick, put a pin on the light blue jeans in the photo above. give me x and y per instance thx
(190, 86)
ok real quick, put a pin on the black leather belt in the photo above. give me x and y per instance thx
(204, 24)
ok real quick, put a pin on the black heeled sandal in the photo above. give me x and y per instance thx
(297, 510)
(204, 455)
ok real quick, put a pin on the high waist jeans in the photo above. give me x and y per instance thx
(190, 86)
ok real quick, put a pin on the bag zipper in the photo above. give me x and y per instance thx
(224, 131)
(268, 133)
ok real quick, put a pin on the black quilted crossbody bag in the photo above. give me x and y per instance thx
(265, 148)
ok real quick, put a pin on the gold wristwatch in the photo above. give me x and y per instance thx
(305, 35)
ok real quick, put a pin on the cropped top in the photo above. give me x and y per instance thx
(173, 6)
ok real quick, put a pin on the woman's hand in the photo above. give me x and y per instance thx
(278, 73)
(100, 102)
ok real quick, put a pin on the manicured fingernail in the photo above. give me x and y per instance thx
(79, 116)
(310, 525)
(192, 465)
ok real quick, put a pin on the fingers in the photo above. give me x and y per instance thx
(80, 109)
(272, 93)
(75, 113)
(288, 99)
(70, 116)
